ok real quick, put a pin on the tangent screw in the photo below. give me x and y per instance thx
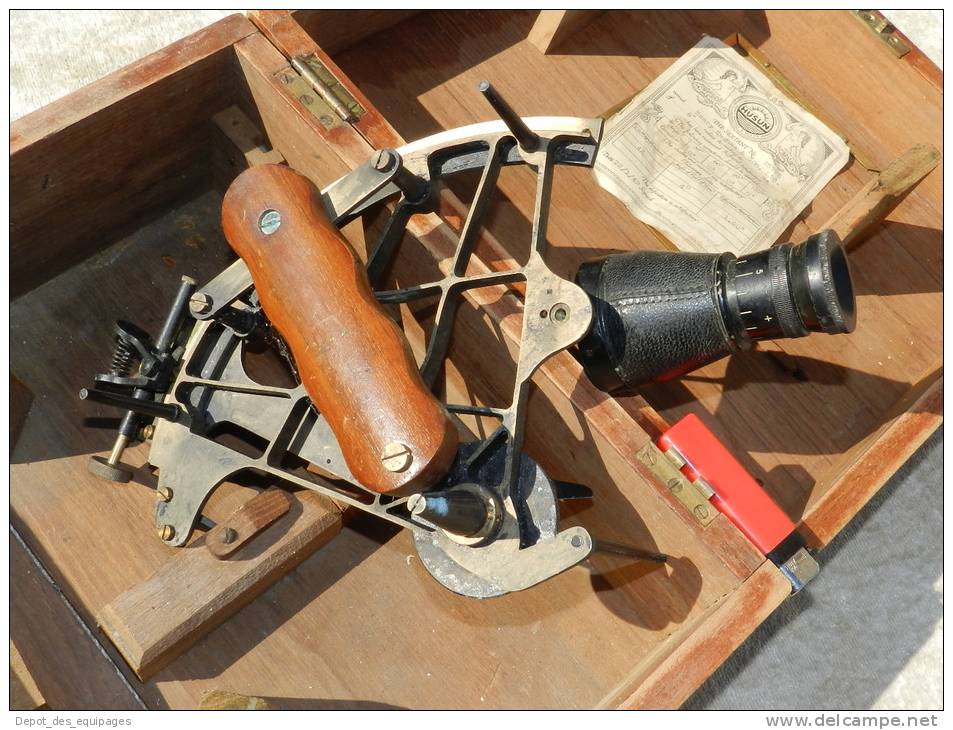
(200, 303)
(396, 456)
(166, 532)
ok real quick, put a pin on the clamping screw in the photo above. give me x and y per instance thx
(383, 160)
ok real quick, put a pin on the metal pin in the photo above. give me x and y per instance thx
(118, 447)
(169, 411)
(629, 552)
(528, 140)
(173, 320)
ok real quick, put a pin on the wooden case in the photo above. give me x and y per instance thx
(116, 193)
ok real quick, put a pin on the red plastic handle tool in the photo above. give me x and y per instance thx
(737, 495)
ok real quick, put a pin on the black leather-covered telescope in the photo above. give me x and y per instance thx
(658, 314)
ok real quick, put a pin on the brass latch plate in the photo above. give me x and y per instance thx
(691, 497)
(883, 29)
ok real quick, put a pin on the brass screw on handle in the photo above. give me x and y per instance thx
(166, 532)
(396, 456)
(269, 221)
(228, 536)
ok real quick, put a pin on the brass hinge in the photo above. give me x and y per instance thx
(883, 29)
(319, 91)
(693, 495)
(328, 87)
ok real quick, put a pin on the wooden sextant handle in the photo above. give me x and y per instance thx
(353, 360)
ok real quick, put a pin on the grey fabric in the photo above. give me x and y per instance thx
(54, 52)
(867, 633)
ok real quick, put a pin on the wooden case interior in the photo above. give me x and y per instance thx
(117, 193)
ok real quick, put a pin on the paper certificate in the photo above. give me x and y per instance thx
(713, 156)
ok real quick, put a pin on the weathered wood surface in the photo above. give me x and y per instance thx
(553, 27)
(247, 522)
(59, 650)
(336, 30)
(24, 692)
(250, 141)
(871, 462)
(193, 592)
(20, 400)
(88, 166)
(877, 199)
(222, 700)
(97, 539)
(670, 679)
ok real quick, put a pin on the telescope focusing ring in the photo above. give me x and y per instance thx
(791, 324)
